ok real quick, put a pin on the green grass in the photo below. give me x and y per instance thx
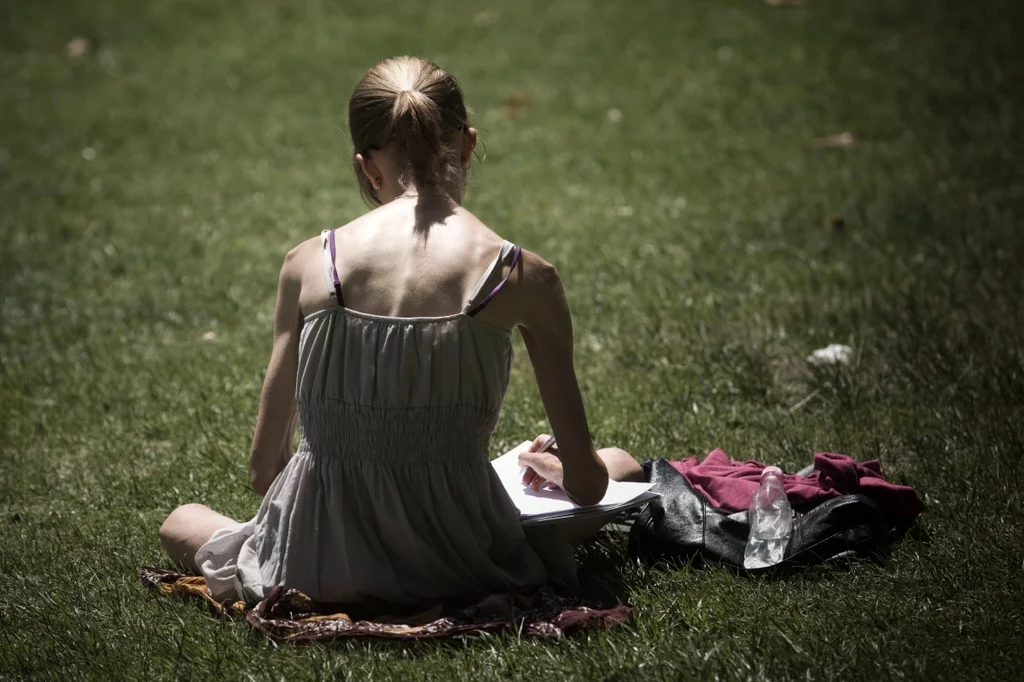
(150, 190)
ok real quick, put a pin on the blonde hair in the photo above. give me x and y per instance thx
(412, 107)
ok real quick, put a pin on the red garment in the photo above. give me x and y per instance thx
(730, 485)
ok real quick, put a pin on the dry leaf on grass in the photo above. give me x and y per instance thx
(513, 105)
(484, 19)
(837, 141)
(78, 47)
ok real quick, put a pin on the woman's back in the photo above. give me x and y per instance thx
(390, 494)
(413, 257)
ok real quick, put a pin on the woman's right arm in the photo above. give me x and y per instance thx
(546, 326)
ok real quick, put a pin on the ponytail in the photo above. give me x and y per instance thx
(416, 130)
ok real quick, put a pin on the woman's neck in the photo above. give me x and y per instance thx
(392, 191)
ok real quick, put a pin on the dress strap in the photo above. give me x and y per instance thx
(330, 269)
(516, 251)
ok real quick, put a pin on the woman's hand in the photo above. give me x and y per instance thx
(542, 468)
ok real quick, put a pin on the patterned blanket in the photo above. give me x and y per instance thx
(288, 615)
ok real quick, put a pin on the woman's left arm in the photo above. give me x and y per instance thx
(276, 421)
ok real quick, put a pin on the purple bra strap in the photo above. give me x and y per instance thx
(495, 290)
(334, 269)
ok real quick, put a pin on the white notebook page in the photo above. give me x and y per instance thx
(542, 502)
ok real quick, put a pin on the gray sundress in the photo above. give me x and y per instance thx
(390, 495)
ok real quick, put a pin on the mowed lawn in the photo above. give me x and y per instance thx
(662, 154)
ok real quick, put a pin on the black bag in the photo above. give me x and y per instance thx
(683, 524)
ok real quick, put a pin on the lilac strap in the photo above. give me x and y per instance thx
(334, 270)
(495, 290)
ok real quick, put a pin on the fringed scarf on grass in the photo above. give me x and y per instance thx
(288, 615)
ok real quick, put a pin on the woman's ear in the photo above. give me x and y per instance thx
(370, 170)
(468, 145)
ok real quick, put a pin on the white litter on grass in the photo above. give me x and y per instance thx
(832, 354)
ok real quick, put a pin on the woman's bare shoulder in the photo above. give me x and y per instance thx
(537, 273)
(298, 257)
(533, 293)
(303, 274)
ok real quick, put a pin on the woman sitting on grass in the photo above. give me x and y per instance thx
(392, 348)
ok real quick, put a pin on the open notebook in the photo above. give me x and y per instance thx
(537, 507)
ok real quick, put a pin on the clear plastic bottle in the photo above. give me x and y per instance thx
(771, 522)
